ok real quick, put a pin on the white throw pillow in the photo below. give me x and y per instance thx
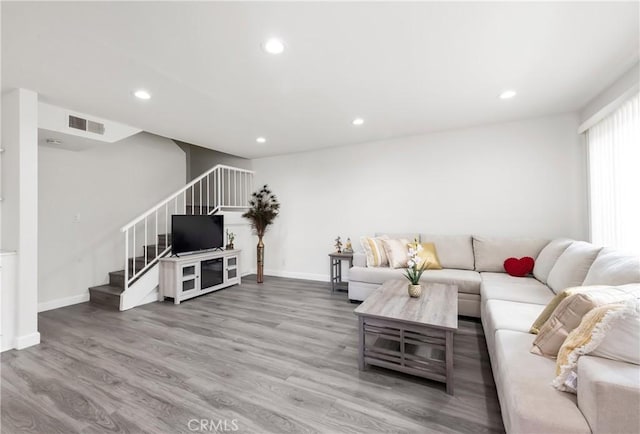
(572, 266)
(397, 251)
(610, 331)
(613, 268)
(548, 257)
(621, 340)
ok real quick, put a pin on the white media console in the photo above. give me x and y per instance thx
(192, 275)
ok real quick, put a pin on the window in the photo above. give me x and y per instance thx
(614, 178)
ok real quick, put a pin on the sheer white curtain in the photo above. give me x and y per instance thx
(614, 178)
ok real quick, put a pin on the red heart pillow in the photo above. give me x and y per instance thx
(519, 267)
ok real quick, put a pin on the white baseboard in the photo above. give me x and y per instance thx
(297, 275)
(8, 343)
(21, 342)
(62, 302)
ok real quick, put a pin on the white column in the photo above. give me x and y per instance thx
(20, 206)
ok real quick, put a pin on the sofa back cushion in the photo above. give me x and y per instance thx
(548, 257)
(572, 266)
(490, 253)
(613, 268)
(454, 251)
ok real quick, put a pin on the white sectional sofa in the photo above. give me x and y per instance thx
(608, 392)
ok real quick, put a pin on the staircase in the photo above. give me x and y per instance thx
(147, 238)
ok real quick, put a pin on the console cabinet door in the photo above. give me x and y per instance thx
(232, 269)
(189, 278)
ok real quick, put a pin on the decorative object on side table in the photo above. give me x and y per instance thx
(263, 210)
(338, 245)
(414, 272)
(230, 238)
(348, 248)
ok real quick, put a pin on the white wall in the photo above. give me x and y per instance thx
(106, 187)
(8, 294)
(244, 240)
(517, 179)
(607, 101)
(19, 216)
(203, 159)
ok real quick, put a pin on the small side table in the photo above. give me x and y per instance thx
(336, 270)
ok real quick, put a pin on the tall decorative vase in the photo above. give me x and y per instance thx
(260, 261)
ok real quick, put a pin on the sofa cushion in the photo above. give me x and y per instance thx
(506, 315)
(454, 251)
(609, 395)
(613, 268)
(511, 315)
(548, 257)
(467, 281)
(530, 404)
(501, 286)
(490, 253)
(376, 275)
(359, 259)
(572, 266)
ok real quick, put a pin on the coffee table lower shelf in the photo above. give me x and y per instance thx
(413, 349)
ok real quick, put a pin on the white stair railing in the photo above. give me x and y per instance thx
(221, 187)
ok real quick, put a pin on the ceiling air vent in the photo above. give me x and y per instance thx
(77, 123)
(85, 125)
(95, 127)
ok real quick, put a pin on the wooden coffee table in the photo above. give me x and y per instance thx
(410, 335)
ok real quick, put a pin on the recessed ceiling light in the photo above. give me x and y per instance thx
(273, 46)
(142, 94)
(508, 94)
(261, 140)
(358, 121)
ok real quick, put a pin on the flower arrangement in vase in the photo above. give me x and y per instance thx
(263, 210)
(414, 272)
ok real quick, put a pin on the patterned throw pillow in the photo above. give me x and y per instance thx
(555, 301)
(611, 331)
(397, 252)
(569, 313)
(374, 251)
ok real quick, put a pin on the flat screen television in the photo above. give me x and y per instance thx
(191, 233)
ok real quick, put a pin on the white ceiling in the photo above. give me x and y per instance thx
(406, 68)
